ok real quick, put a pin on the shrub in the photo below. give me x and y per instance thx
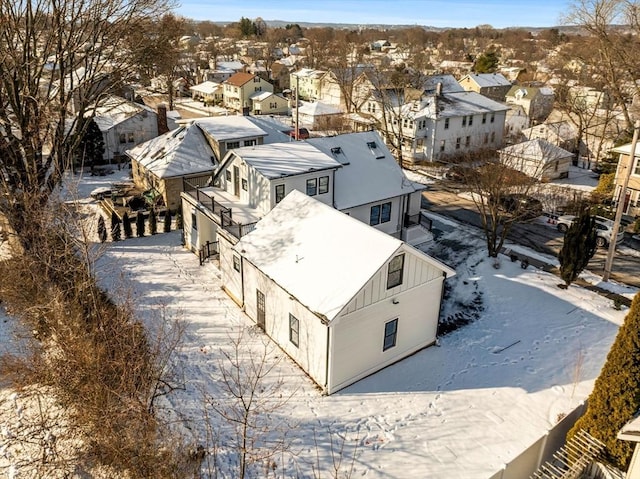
(102, 229)
(126, 226)
(167, 221)
(115, 226)
(153, 221)
(140, 224)
(578, 248)
(616, 395)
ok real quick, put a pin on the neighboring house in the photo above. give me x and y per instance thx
(588, 98)
(443, 83)
(379, 45)
(124, 125)
(354, 172)
(307, 83)
(631, 432)
(539, 159)
(455, 67)
(537, 102)
(561, 133)
(317, 115)
(239, 88)
(632, 199)
(190, 153)
(340, 298)
(446, 125)
(269, 103)
(492, 85)
(515, 121)
(209, 92)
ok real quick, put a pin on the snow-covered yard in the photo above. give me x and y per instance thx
(461, 409)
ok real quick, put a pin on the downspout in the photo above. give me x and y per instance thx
(326, 362)
(444, 273)
(242, 281)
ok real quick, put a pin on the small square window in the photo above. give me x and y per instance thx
(279, 193)
(312, 186)
(245, 186)
(236, 263)
(227, 175)
(390, 334)
(323, 186)
(294, 330)
(394, 273)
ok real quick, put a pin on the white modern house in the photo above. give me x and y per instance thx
(342, 299)
(355, 173)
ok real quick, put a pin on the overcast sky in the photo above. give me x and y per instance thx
(437, 13)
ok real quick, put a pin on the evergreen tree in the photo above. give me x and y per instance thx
(90, 149)
(579, 246)
(179, 223)
(616, 395)
(115, 226)
(126, 226)
(140, 224)
(167, 221)
(153, 221)
(487, 62)
(102, 229)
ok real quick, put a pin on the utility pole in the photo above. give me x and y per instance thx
(297, 117)
(620, 205)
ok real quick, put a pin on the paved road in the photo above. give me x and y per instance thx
(441, 198)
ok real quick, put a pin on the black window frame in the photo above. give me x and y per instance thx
(390, 334)
(374, 218)
(312, 186)
(231, 145)
(446, 123)
(280, 193)
(323, 185)
(395, 275)
(227, 175)
(294, 330)
(236, 263)
(385, 212)
(245, 184)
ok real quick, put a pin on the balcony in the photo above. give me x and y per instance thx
(234, 217)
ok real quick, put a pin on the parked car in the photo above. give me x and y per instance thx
(303, 133)
(519, 204)
(604, 228)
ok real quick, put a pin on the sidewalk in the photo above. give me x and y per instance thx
(549, 268)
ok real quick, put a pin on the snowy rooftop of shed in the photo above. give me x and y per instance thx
(369, 172)
(180, 152)
(276, 160)
(206, 88)
(489, 79)
(306, 247)
(467, 103)
(318, 108)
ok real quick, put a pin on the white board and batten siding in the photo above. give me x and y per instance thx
(391, 227)
(357, 334)
(231, 276)
(205, 228)
(311, 352)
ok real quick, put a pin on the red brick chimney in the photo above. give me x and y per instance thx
(163, 126)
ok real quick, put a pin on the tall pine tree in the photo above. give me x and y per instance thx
(115, 226)
(102, 229)
(616, 395)
(126, 226)
(140, 224)
(578, 248)
(90, 150)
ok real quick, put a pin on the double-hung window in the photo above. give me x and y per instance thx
(279, 193)
(294, 330)
(312, 186)
(323, 185)
(390, 334)
(394, 272)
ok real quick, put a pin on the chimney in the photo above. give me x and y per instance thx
(163, 126)
(438, 89)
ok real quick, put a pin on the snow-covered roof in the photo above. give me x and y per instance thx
(626, 150)
(485, 80)
(317, 109)
(206, 88)
(631, 430)
(448, 82)
(453, 104)
(536, 150)
(233, 65)
(261, 95)
(113, 110)
(277, 160)
(223, 128)
(309, 72)
(562, 130)
(316, 253)
(368, 173)
(183, 151)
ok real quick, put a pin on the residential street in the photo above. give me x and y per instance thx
(538, 234)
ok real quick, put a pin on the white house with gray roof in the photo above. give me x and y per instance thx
(538, 159)
(449, 124)
(342, 299)
(355, 173)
